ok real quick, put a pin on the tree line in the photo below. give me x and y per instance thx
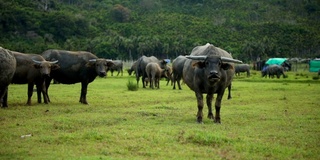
(127, 29)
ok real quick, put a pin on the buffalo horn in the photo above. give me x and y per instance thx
(92, 60)
(54, 62)
(35, 61)
(196, 57)
(226, 59)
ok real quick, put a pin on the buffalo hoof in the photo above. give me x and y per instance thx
(217, 121)
(199, 120)
(210, 116)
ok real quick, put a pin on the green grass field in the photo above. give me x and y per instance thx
(265, 119)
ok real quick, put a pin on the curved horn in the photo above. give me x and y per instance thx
(38, 62)
(226, 59)
(54, 62)
(196, 57)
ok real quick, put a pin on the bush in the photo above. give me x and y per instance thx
(132, 86)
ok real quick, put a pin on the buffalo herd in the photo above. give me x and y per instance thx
(207, 70)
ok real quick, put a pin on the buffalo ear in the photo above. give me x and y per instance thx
(226, 66)
(198, 64)
(55, 67)
(109, 64)
(163, 62)
(90, 64)
(37, 66)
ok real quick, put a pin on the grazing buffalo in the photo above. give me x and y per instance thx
(132, 68)
(7, 69)
(141, 67)
(118, 66)
(75, 67)
(154, 73)
(273, 70)
(209, 70)
(242, 68)
(177, 69)
(32, 69)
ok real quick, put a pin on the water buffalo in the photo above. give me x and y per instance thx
(7, 69)
(273, 70)
(75, 67)
(141, 67)
(154, 73)
(33, 69)
(177, 69)
(209, 70)
(242, 68)
(132, 68)
(118, 66)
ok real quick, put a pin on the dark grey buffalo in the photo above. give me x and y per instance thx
(273, 70)
(177, 70)
(242, 68)
(154, 73)
(209, 70)
(141, 67)
(7, 69)
(118, 66)
(32, 69)
(132, 68)
(75, 67)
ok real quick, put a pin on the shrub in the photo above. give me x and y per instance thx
(132, 86)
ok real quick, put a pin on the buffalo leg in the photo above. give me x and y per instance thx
(143, 81)
(200, 107)
(156, 82)
(30, 92)
(47, 84)
(229, 91)
(174, 82)
(39, 90)
(217, 118)
(209, 104)
(83, 96)
(44, 93)
(4, 97)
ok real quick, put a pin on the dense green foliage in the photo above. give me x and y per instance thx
(126, 29)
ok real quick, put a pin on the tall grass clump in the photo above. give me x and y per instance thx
(132, 86)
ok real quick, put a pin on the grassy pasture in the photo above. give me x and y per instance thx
(266, 119)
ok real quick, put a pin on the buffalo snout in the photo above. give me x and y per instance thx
(102, 74)
(46, 75)
(214, 75)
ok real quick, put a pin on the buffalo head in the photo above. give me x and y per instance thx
(211, 66)
(101, 65)
(45, 67)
